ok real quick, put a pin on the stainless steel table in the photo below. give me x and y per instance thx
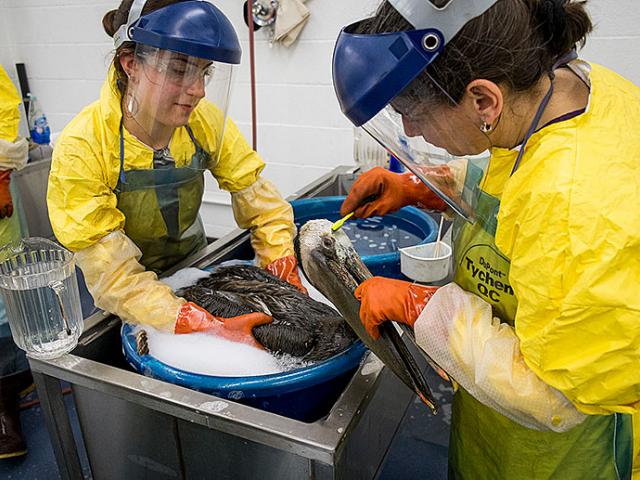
(138, 427)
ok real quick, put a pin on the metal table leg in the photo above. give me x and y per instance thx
(59, 426)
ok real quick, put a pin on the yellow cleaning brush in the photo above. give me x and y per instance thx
(336, 226)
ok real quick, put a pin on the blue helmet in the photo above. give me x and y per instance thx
(194, 27)
(370, 70)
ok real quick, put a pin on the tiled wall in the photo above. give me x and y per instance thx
(301, 132)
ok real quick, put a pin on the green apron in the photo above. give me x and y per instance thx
(161, 206)
(485, 444)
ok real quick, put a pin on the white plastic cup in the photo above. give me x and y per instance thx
(419, 264)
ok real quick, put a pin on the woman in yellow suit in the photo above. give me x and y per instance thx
(126, 179)
(541, 327)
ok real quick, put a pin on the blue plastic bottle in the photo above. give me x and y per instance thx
(38, 125)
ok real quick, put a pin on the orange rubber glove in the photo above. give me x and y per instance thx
(6, 202)
(383, 299)
(286, 268)
(392, 191)
(192, 318)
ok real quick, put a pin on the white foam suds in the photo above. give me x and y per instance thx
(184, 278)
(210, 355)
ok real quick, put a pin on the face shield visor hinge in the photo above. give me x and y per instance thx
(125, 32)
(431, 42)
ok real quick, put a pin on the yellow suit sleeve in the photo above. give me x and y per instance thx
(119, 283)
(257, 204)
(458, 332)
(579, 301)
(261, 209)
(578, 293)
(238, 165)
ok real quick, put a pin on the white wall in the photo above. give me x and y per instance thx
(301, 132)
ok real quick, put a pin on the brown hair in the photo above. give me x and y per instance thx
(513, 43)
(112, 21)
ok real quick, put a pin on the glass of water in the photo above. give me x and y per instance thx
(40, 290)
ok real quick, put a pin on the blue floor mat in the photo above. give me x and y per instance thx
(420, 447)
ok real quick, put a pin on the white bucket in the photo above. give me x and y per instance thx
(419, 264)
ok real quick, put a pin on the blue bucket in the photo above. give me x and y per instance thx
(411, 222)
(305, 394)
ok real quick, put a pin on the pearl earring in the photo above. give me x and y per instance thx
(485, 127)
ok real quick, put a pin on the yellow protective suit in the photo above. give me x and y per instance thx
(9, 111)
(14, 151)
(83, 212)
(570, 224)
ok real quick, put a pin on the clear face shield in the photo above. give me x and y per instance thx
(383, 83)
(165, 87)
(437, 139)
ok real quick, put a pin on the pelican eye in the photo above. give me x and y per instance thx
(328, 242)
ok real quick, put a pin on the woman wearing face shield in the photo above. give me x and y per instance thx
(539, 329)
(127, 175)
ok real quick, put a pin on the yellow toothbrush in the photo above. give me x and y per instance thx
(336, 226)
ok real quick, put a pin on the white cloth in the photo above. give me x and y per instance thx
(13, 155)
(291, 18)
(457, 331)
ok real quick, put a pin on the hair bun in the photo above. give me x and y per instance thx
(107, 22)
(552, 19)
(563, 24)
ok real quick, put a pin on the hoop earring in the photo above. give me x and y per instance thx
(132, 105)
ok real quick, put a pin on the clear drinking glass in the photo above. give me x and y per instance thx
(40, 290)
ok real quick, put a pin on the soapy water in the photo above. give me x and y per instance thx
(370, 236)
(208, 354)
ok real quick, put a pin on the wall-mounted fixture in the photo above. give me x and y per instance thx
(264, 13)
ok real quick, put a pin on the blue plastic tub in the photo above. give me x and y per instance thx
(305, 394)
(413, 224)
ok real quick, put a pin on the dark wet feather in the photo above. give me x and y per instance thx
(301, 326)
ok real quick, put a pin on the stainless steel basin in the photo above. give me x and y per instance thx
(137, 427)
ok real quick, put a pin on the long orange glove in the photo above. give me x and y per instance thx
(392, 191)
(192, 318)
(383, 299)
(6, 202)
(286, 268)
